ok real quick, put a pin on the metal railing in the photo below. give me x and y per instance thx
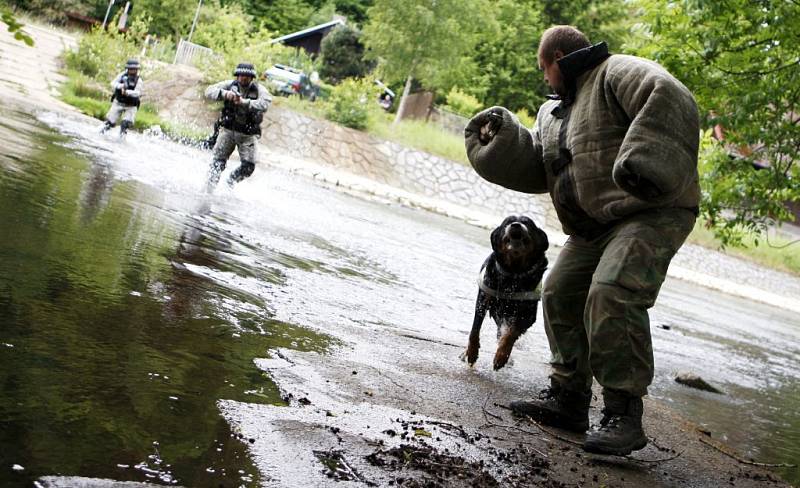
(188, 52)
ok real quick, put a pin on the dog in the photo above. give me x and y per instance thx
(509, 286)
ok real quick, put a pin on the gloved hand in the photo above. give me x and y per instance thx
(632, 182)
(494, 120)
(485, 125)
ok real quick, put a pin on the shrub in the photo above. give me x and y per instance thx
(525, 117)
(462, 103)
(351, 102)
(102, 55)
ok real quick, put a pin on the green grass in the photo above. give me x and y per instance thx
(774, 254)
(92, 99)
(420, 135)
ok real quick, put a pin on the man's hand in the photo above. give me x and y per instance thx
(490, 128)
(231, 96)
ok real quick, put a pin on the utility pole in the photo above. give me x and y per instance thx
(194, 22)
(108, 11)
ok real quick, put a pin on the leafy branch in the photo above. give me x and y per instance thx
(14, 26)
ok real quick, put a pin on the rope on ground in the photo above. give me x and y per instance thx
(553, 434)
(487, 413)
(745, 461)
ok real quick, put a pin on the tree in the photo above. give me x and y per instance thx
(14, 27)
(171, 18)
(222, 28)
(600, 20)
(343, 55)
(323, 14)
(354, 10)
(427, 40)
(507, 57)
(741, 59)
(285, 16)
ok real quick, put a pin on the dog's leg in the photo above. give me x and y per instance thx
(508, 336)
(474, 344)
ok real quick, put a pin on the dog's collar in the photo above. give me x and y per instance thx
(536, 294)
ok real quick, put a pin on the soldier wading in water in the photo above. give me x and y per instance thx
(616, 148)
(125, 101)
(245, 104)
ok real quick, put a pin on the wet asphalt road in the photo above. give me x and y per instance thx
(112, 255)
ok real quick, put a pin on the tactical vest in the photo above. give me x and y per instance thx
(128, 101)
(242, 119)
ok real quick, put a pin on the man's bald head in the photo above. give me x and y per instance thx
(562, 38)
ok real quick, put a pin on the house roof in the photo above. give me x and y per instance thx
(309, 31)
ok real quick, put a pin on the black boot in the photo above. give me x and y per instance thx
(620, 430)
(106, 125)
(124, 126)
(557, 407)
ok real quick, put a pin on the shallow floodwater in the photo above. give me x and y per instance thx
(130, 303)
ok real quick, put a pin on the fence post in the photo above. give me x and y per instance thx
(144, 47)
(178, 50)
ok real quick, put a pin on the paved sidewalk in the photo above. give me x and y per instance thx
(30, 75)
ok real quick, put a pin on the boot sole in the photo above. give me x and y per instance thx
(614, 450)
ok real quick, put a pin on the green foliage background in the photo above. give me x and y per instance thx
(342, 55)
(351, 102)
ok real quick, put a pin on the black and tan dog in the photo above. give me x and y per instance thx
(508, 286)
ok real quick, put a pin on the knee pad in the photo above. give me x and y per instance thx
(126, 124)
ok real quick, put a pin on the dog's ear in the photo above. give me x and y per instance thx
(540, 239)
(495, 237)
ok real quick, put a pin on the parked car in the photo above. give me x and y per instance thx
(285, 80)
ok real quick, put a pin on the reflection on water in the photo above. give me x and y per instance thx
(113, 351)
(130, 304)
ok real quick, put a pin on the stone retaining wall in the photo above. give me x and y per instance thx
(396, 165)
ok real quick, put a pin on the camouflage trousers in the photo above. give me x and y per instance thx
(117, 110)
(227, 141)
(596, 300)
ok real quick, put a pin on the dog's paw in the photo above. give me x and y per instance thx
(469, 356)
(500, 360)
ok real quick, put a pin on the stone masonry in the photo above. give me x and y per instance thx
(395, 165)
